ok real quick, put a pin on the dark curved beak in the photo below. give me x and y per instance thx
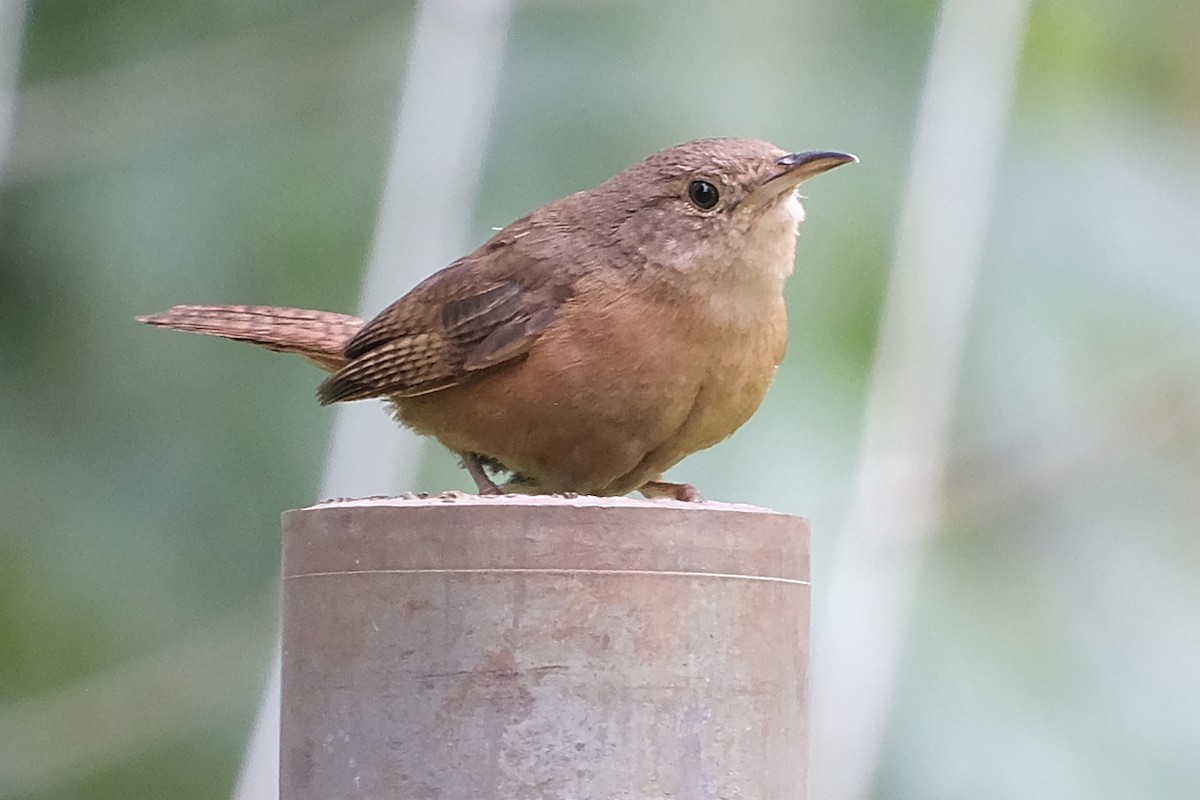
(795, 168)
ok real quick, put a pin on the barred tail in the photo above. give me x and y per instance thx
(319, 336)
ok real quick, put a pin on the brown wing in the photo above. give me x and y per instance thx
(449, 327)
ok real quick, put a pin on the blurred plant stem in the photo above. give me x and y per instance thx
(896, 501)
(12, 34)
(438, 146)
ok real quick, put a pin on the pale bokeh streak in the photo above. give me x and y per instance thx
(439, 143)
(12, 32)
(896, 500)
(424, 216)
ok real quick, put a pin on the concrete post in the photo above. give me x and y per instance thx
(530, 648)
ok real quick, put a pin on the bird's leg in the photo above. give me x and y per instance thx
(674, 491)
(475, 469)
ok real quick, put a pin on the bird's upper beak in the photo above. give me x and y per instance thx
(795, 168)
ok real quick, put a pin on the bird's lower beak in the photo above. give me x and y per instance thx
(795, 168)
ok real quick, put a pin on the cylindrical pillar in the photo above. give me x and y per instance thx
(521, 648)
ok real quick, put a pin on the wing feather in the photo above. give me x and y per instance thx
(446, 329)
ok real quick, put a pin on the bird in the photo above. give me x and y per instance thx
(590, 345)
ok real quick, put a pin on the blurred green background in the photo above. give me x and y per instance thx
(234, 152)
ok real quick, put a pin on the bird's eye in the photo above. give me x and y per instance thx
(703, 194)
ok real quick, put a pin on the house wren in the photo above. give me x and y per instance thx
(590, 345)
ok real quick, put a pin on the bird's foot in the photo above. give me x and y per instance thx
(672, 491)
(474, 466)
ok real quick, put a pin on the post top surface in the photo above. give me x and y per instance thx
(466, 534)
(419, 500)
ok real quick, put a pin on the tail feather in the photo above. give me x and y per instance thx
(319, 336)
